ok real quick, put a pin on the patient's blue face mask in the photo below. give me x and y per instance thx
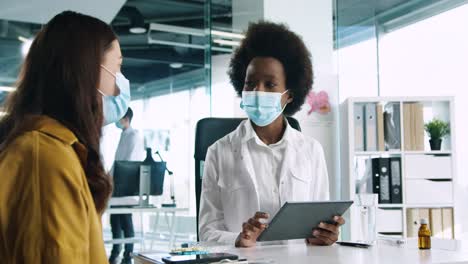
(262, 107)
(115, 107)
(119, 125)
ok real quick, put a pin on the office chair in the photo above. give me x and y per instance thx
(208, 131)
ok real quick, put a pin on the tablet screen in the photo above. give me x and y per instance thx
(296, 220)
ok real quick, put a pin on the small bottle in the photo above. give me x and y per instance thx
(424, 235)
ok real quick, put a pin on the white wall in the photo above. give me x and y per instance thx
(357, 70)
(224, 100)
(313, 20)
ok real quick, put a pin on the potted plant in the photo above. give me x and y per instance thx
(436, 130)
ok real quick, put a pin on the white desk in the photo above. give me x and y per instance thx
(169, 215)
(382, 253)
(130, 210)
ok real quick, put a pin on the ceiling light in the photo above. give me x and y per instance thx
(22, 39)
(137, 30)
(7, 89)
(137, 21)
(26, 45)
(177, 29)
(227, 34)
(176, 65)
(226, 42)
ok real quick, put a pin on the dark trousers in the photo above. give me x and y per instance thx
(122, 223)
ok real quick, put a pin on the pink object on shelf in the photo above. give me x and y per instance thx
(318, 102)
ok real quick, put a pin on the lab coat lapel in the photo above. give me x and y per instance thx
(246, 160)
(287, 168)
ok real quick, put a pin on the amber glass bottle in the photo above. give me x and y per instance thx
(424, 235)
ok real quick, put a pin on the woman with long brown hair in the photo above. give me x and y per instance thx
(53, 185)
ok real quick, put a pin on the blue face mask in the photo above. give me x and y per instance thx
(115, 107)
(262, 107)
(119, 125)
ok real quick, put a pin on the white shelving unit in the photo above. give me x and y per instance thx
(440, 107)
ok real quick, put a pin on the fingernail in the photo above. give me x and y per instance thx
(336, 218)
(321, 225)
(316, 233)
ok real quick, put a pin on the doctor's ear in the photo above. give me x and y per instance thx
(290, 97)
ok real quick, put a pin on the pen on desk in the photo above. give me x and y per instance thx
(351, 244)
(228, 261)
(394, 242)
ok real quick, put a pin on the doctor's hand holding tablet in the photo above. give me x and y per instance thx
(252, 229)
(324, 234)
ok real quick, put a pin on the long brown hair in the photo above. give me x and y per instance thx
(59, 78)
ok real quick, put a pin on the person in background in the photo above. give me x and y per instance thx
(253, 171)
(130, 148)
(53, 187)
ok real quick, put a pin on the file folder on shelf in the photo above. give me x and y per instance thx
(359, 127)
(370, 127)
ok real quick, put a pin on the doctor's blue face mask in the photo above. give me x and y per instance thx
(262, 107)
(115, 107)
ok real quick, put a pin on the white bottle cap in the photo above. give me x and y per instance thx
(423, 221)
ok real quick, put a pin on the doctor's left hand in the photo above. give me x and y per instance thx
(326, 234)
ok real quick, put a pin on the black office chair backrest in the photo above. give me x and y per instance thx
(208, 131)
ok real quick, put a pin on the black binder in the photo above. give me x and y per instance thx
(381, 179)
(395, 180)
(376, 176)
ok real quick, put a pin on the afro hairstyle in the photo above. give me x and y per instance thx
(267, 39)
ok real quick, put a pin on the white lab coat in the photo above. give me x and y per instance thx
(130, 146)
(229, 190)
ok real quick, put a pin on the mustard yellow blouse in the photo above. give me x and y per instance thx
(47, 213)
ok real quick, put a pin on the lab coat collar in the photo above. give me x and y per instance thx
(245, 131)
(250, 133)
(296, 143)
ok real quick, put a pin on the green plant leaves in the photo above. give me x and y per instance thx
(437, 129)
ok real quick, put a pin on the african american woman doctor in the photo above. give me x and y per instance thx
(250, 173)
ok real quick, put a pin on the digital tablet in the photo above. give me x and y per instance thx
(296, 220)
